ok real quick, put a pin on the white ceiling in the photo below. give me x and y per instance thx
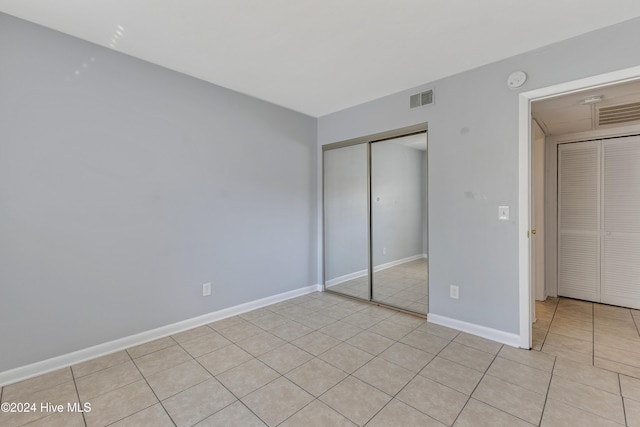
(321, 56)
(567, 114)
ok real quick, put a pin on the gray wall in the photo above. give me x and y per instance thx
(125, 186)
(473, 165)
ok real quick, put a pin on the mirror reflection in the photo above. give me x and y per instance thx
(399, 222)
(346, 220)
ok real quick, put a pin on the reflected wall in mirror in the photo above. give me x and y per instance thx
(346, 220)
(399, 222)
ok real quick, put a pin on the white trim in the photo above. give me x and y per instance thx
(347, 277)
(482, 331)
(65, 360)
(363, 273)
(398, 262)
(524, 150)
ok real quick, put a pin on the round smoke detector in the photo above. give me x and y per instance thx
(516, 79)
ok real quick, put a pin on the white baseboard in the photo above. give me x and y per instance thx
(482, 331)
(65, 360)
(363, 273)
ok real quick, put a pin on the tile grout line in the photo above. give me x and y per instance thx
(624, 407)
(152, 390)
(546, 396)
(75, 385)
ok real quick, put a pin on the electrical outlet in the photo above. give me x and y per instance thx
(206, 289)
(454, 292)
(384, 251)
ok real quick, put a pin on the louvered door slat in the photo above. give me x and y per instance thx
(621, 222)
(579, 220)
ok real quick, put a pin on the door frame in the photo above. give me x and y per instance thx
(524, 179)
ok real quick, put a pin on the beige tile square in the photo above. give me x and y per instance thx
(425, 342)
(617, 355)
(437, 330)
(235, 414)
(384, 375)
(434, 399)
(191, 334)
(337, 312)
(240, 331)
(467, 356)
(346, 357)
(478, 343)
(631, 371)
(588, 375)
(362, 320)
(558, 414)
(317, 414)
(510, 398)
(407, 319)
(453, 375)
(316, 343)
(630, 387)
(254, 314)
(277, 401)
(587, 398)
(118, 404)
(205, 344)
(285, 358)
(587, 325)
(178, 378)
(572, 332)
(64, 419)
(13, 392)
(224, 359)
(198, 402)
(245, 378)
(573, 344)
(291, 330)
(406, 356)
(316, 376)
(583, 358)
(521, 375)
(269, 321)
(106, 380)
(632, 411)
(346, 398)
(61, 394)
(150, 347)
(154, 416)
(397, 413)
(226, 323)
(94, 365)
(260, 343)
(161, 360)
(341, 330)
(315, 320)
(479, 414)
(609, 340)
(534, 359)
(370, 342)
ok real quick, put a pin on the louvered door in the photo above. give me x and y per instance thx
(621, 222)
(579, 220)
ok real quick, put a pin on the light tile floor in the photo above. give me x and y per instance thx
(403, 286)
(323, 360)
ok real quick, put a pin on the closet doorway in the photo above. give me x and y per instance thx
(375, 219)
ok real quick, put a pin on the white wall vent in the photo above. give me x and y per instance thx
(619, 114)
(421, 99)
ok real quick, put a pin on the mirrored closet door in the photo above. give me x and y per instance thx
(375, 220)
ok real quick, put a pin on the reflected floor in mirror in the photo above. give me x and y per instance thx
(403, 286)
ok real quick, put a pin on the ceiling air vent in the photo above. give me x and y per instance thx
(421, 99)
(619, 114)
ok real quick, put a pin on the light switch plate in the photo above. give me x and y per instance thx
(503, 213)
